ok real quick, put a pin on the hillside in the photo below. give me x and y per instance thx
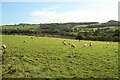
(44, 57)
(82, 31)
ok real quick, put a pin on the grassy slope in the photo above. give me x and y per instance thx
(21, 27)
(47, 57)
(28, 27)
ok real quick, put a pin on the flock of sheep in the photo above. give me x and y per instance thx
(74, 46)
(64, 43)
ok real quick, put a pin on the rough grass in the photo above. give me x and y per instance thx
(43, 57)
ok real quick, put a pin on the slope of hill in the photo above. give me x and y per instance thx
(43, 57)
(86, 30)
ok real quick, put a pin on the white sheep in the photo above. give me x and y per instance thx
(90, 44)
(85, 45)
(73, 45)
(4, 46)
(64, 42)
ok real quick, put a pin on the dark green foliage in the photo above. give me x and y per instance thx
(84, 31)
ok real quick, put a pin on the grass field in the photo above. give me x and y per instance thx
(43, 57)
(21, 27)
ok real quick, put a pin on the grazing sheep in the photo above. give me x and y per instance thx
(64, 42)
(73, 45)
(90, 44)
(4, 46)
(85, 45)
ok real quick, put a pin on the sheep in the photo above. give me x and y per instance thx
(64, 42)
(90, 44)
(73, 45)
(4, 46)
(85, 45)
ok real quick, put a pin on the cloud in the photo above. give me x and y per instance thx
(71, 16)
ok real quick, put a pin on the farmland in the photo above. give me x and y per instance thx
(95, 31)
(44, 57)
(59, 40)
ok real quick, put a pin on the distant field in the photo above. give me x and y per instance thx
(21, 27)
(36, 26)
(43, 57)
(111, 28)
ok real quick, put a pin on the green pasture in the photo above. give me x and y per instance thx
(44, 57)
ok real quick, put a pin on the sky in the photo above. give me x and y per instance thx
(58, 11)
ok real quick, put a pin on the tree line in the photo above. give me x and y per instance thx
(68, 30)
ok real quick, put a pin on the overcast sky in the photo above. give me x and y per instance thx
(57, 11)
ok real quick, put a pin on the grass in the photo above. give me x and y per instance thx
(21, 27)
(44, 57)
